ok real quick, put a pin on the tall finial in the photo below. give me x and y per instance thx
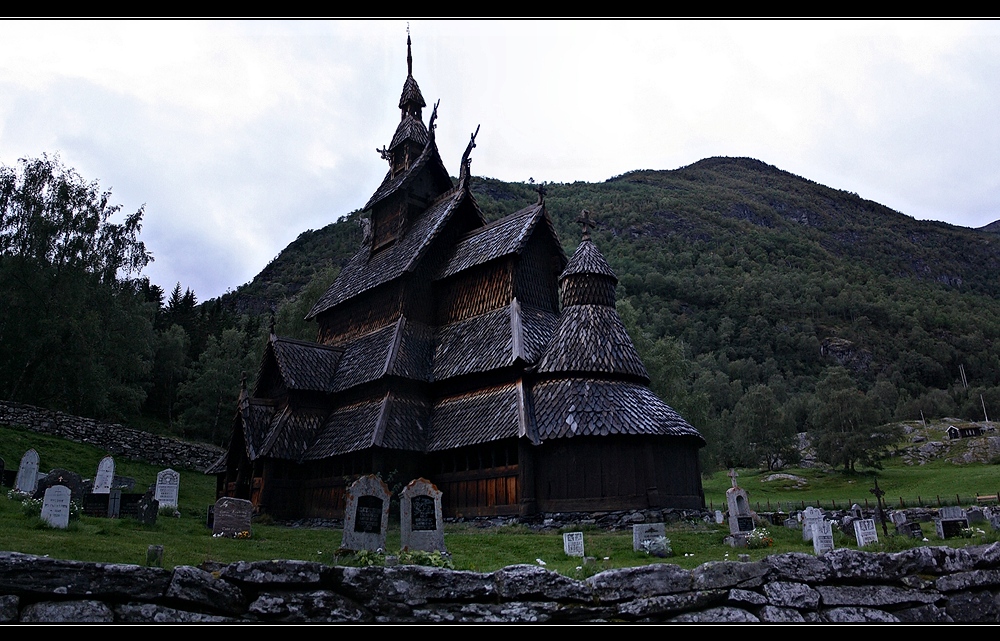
(432, 124)
(541, 193)
(466, 167)
(409, 56)
(587, 223)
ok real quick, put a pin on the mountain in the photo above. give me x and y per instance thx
(735, 273)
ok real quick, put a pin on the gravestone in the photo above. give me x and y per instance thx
(719, 517)
(95, 504)
(792, 523)
(55, 506)
(643, 532)
(366, 515)
(950, 522)
(147, 508)
(822, 537)
(738, 501)
(898, 518)
(27, 473)
(995, 522)
(125, 483)
(105, 475)
(232, 518)
(856, 511)
(864, 531)
(210, 517)
(573, 543)
(975, 515)
(167, 486)
(114, 503)
(154, 556)
(60, 476)
(421, 524)
(810, 517)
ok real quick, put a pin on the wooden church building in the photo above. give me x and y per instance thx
(472, 354)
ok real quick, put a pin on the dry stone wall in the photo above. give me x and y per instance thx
(116, 439)
(920, 585)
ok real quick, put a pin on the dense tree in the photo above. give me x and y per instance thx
(844, 424)
(75, 321)
(761, 430)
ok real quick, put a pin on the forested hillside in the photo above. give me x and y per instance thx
(762, 303)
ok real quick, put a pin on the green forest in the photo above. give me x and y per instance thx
(763, 305)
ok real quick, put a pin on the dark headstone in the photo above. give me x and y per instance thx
(95, 504)
(129, 506)
(114, 503)
(147, 509)
(232, 518)
(60, 476)
(210, 520)
(911, 529)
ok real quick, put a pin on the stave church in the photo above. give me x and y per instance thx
(473, 354)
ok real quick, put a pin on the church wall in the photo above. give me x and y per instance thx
(360, 315)
(536, 273)
(615, 473)
(474, 291)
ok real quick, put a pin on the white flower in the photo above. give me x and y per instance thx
(540, 562)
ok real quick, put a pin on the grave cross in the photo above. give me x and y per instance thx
(587, 222)
(732, 475)
(879, 493)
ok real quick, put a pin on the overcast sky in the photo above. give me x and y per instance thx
(239, 135)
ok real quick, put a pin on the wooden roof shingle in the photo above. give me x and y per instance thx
(586, 407)
(587, 259)
(499, 238)
(592, 339)
(304, 365)
(481, 416)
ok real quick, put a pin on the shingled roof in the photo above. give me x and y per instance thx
(587, 407)
(476, 417)
(499, 238)
(303, 365)
(366, 270)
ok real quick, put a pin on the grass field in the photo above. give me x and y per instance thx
(187, 540)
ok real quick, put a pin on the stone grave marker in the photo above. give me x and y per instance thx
(105, 475)
(60, 476)
(975, 515)
(147, 508)
(167, 486)
(856, 511)
(232, 518)
(55, 506)
(810, 516)
(995, 521)
(366, 515)
(822, 537)
(27, 473)
(864, 531)
(738, 501)
(421, 524)
(950, 522)
(791, 523)
(573, 543)
(95, 504)
(719, 517)
(154, 556)
(643, 532)
(210, 517)
(114, 503)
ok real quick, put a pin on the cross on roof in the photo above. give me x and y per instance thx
(587, 222)
(732, 471)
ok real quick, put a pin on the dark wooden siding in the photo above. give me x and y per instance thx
(536, 273)
(588, 290)
(364, 314)
(474, 291)
(478, 481)
(616, 473)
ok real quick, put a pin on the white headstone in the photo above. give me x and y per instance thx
(55, 506)
(810, 517)
(642, 532)
(105, 475)
(864, 532)
(573, 543)
(719, 517)
(167, 485)
(27, 473)
(822, 537)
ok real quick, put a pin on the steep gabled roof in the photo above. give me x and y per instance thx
(302, 365)
(410, 128)
(587, 407)
(492, 340)
(395, 420)
(429, 159)
(292, 431)
(402, 349)
(366, 271)
(502, 237)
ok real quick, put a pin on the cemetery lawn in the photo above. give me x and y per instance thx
(187, 540)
